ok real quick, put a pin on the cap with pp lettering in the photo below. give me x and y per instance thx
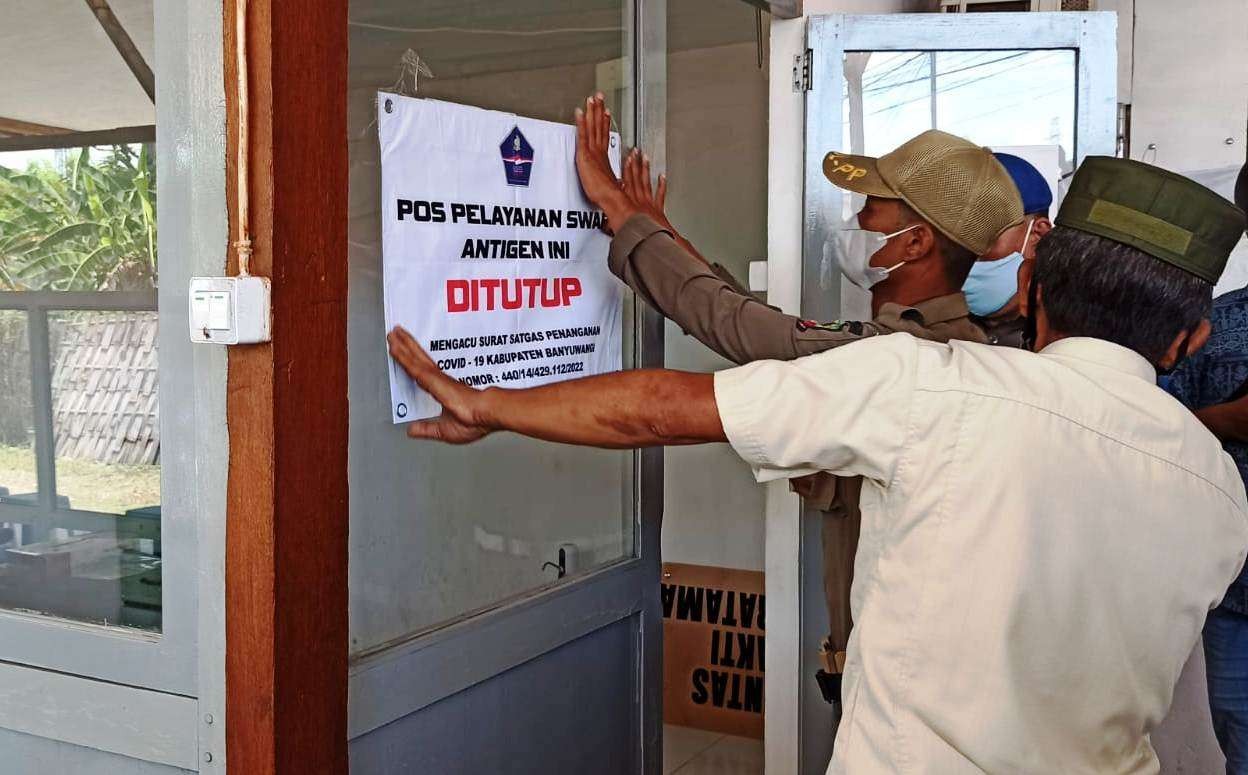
(1156, 211)
(953, 184)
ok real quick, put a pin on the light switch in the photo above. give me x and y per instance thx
(229, 310)
(218, 310)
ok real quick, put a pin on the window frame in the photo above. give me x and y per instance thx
(157, 660)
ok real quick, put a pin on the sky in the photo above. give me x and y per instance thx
(19, 160)
(989, 97)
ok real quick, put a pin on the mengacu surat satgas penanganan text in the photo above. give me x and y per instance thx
(503, 279)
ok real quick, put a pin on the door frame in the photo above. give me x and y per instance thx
(1093, 36)
(285, 617)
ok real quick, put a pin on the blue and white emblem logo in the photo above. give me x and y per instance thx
(517, 158)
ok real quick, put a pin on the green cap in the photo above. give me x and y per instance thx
(1154, 210)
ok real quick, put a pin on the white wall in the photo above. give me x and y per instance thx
(717, 167)
(1188, 88)
(1189, 83)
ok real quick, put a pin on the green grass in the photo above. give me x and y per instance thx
(90, 486)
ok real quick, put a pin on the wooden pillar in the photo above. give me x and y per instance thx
(286, 544)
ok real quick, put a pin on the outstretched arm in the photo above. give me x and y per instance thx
(621, 411)
(670, 275)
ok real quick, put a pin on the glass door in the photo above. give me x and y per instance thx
(478, 574)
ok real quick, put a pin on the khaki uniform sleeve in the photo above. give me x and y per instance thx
(689, 293)
(728, 277)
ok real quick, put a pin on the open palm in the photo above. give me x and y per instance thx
(460, 421)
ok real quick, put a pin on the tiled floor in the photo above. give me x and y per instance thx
(688, 751)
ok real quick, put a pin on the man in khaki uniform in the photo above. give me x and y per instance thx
(939, 203)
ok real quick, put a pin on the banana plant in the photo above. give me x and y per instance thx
(87, 226)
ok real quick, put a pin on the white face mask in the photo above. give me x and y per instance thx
(856, 263)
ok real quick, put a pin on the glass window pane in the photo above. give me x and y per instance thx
(438, 532)
(1008, 97)
(78, 225)
(104, 410)
(994, 98)
(888, 99)
(18, 477)
(102, 567)
(99, 572)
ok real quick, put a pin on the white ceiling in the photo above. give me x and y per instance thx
(60, 68)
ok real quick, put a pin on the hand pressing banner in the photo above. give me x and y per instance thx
(492, 258)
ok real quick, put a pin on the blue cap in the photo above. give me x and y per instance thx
(1031, 185)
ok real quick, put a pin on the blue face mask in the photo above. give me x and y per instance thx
(992, 284)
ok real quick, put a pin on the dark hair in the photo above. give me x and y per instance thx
(958, 260)
(1094, 286)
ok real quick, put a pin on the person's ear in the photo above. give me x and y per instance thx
(1025, 272)
(1039, 228)
(1186, 343)
(918, 242)
(1033, 237)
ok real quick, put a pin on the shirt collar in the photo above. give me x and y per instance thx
(941, 309)
(1102, 353)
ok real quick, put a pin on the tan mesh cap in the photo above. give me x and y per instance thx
(953, 184)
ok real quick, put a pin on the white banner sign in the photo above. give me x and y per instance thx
(491, 255)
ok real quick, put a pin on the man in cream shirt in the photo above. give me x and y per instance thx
(1043, 533)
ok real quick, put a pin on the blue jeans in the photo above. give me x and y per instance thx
(1226, 661)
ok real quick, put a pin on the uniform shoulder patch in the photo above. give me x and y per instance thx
(846, 326)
